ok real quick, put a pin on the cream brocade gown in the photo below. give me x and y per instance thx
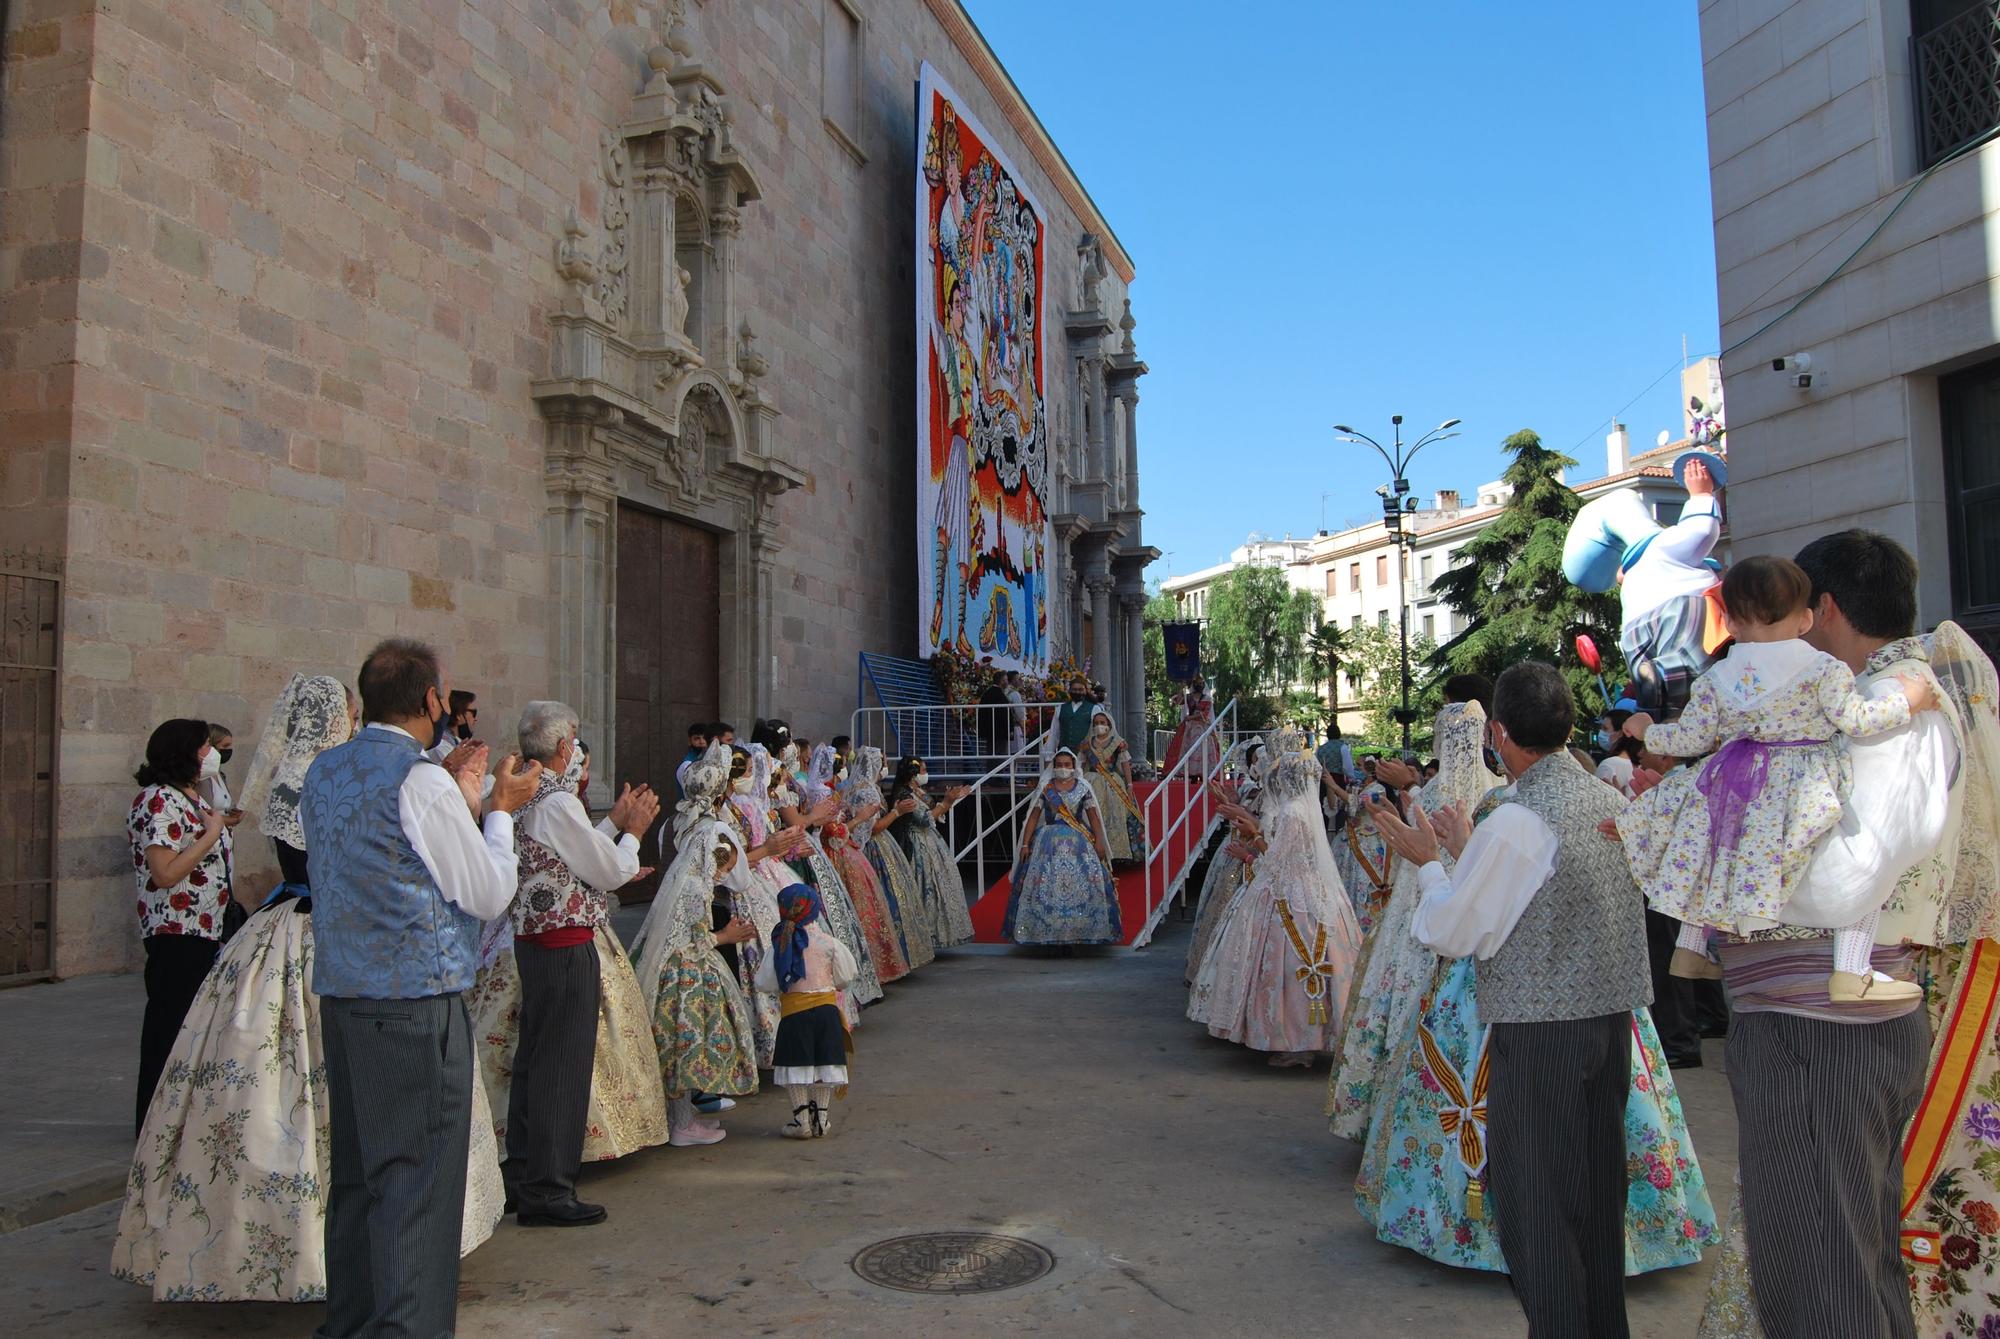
(628, 1108)
(226, 1201)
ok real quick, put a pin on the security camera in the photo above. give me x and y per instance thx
(1793, 362)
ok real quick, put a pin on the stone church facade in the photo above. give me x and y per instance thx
(574, 336)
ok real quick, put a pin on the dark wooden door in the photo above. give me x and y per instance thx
(669, 608)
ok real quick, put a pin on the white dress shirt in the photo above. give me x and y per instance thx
(1895, 814)
(601, 856)
(1472, 908)
(475, 870)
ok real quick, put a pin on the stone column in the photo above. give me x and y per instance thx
(1100, 628)
(1135, 672)
(578, 528)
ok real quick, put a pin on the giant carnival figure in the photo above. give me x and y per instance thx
(1669, 584)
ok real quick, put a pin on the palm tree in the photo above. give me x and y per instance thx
(1324, 649)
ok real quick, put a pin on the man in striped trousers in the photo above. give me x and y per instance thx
(1549, 907)
(1823, 1091)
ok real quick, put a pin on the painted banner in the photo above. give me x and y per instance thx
(983, 539)
(1183, 643)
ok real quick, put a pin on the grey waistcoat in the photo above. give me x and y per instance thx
(1579, 950)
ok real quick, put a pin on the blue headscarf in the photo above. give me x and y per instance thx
(798, 907)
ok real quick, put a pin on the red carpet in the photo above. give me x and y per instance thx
(990, 911)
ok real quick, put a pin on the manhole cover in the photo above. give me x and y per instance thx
(953, 1263)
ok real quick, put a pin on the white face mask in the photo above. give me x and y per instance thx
(741, 785)
(211, 765)
(573, 772)
(1065, 774)
(1103, 732)
(923, 778)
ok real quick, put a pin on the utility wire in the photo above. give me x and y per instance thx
(1855, 254)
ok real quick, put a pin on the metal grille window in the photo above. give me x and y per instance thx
(30, 606)
(1969, 403)
(1957, 58)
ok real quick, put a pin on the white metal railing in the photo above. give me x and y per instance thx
(958, 743)
(1173, 809)
(1016, 778)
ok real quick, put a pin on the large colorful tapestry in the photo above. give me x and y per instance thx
(983, 451)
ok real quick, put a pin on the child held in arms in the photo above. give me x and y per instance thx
(807, 968)
(1723, 844)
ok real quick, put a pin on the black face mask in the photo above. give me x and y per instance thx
(225, 755)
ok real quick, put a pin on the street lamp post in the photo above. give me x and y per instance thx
(1395, 501)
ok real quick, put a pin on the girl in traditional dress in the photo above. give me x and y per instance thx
(700, 1015)
(864, 886)
(1107, 762)
(749, 813)
(792, 808)
(1726, 843)
(807, 969)
(1276, 975)
(1423, 1161)
(1229, 866)
(1396, 966)
(916, 832)
(1193, 734)
(1063, 892)
(1364, 858)
(227, 1195)
(893, 871)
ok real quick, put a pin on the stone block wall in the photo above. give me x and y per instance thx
(276, 276)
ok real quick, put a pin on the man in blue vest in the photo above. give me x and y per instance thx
(403, 877)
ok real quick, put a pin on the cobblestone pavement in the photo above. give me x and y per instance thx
(1183, 1187)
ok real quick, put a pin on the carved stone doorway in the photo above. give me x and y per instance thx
(669, 652)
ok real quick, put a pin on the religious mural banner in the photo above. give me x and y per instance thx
(983, 536)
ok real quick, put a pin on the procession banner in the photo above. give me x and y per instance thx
(983, 538)
(1183, 641)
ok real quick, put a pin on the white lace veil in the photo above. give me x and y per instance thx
(1972, 909)
(864, 779)
(819, 774)
(1298, 858)
(688, 886)
(310, 717)
(1462, 778)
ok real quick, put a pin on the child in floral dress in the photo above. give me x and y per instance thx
(1725, 843)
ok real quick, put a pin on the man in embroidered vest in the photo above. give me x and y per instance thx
(1550, 909)
(1824, 1092)
(567, 866)
(402, 878)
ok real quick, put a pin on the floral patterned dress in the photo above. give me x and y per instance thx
(1415, 1187)
(226, 1201)
(1124, 829)
(1725, 843)
(844, 919)
(1367, 866)
(897, 879)
(628, 1109)
(1062, 893)
(699, 1015)
(871, 908)
(938, 880)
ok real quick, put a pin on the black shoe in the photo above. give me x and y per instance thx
(508, 1207)
(574, 1214)
(1683, 1062)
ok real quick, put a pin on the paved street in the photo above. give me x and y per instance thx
(1183, 1187)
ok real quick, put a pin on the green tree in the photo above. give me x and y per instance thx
(1374, 655)
(1160, 611)
(1254, 644)
(1510, 584)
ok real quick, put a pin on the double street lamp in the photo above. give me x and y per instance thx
(1396, 500)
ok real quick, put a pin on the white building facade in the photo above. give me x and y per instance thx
(1857, 223)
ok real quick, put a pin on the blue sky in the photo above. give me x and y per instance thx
(1341, 211)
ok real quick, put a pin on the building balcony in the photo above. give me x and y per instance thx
(1958, 80)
